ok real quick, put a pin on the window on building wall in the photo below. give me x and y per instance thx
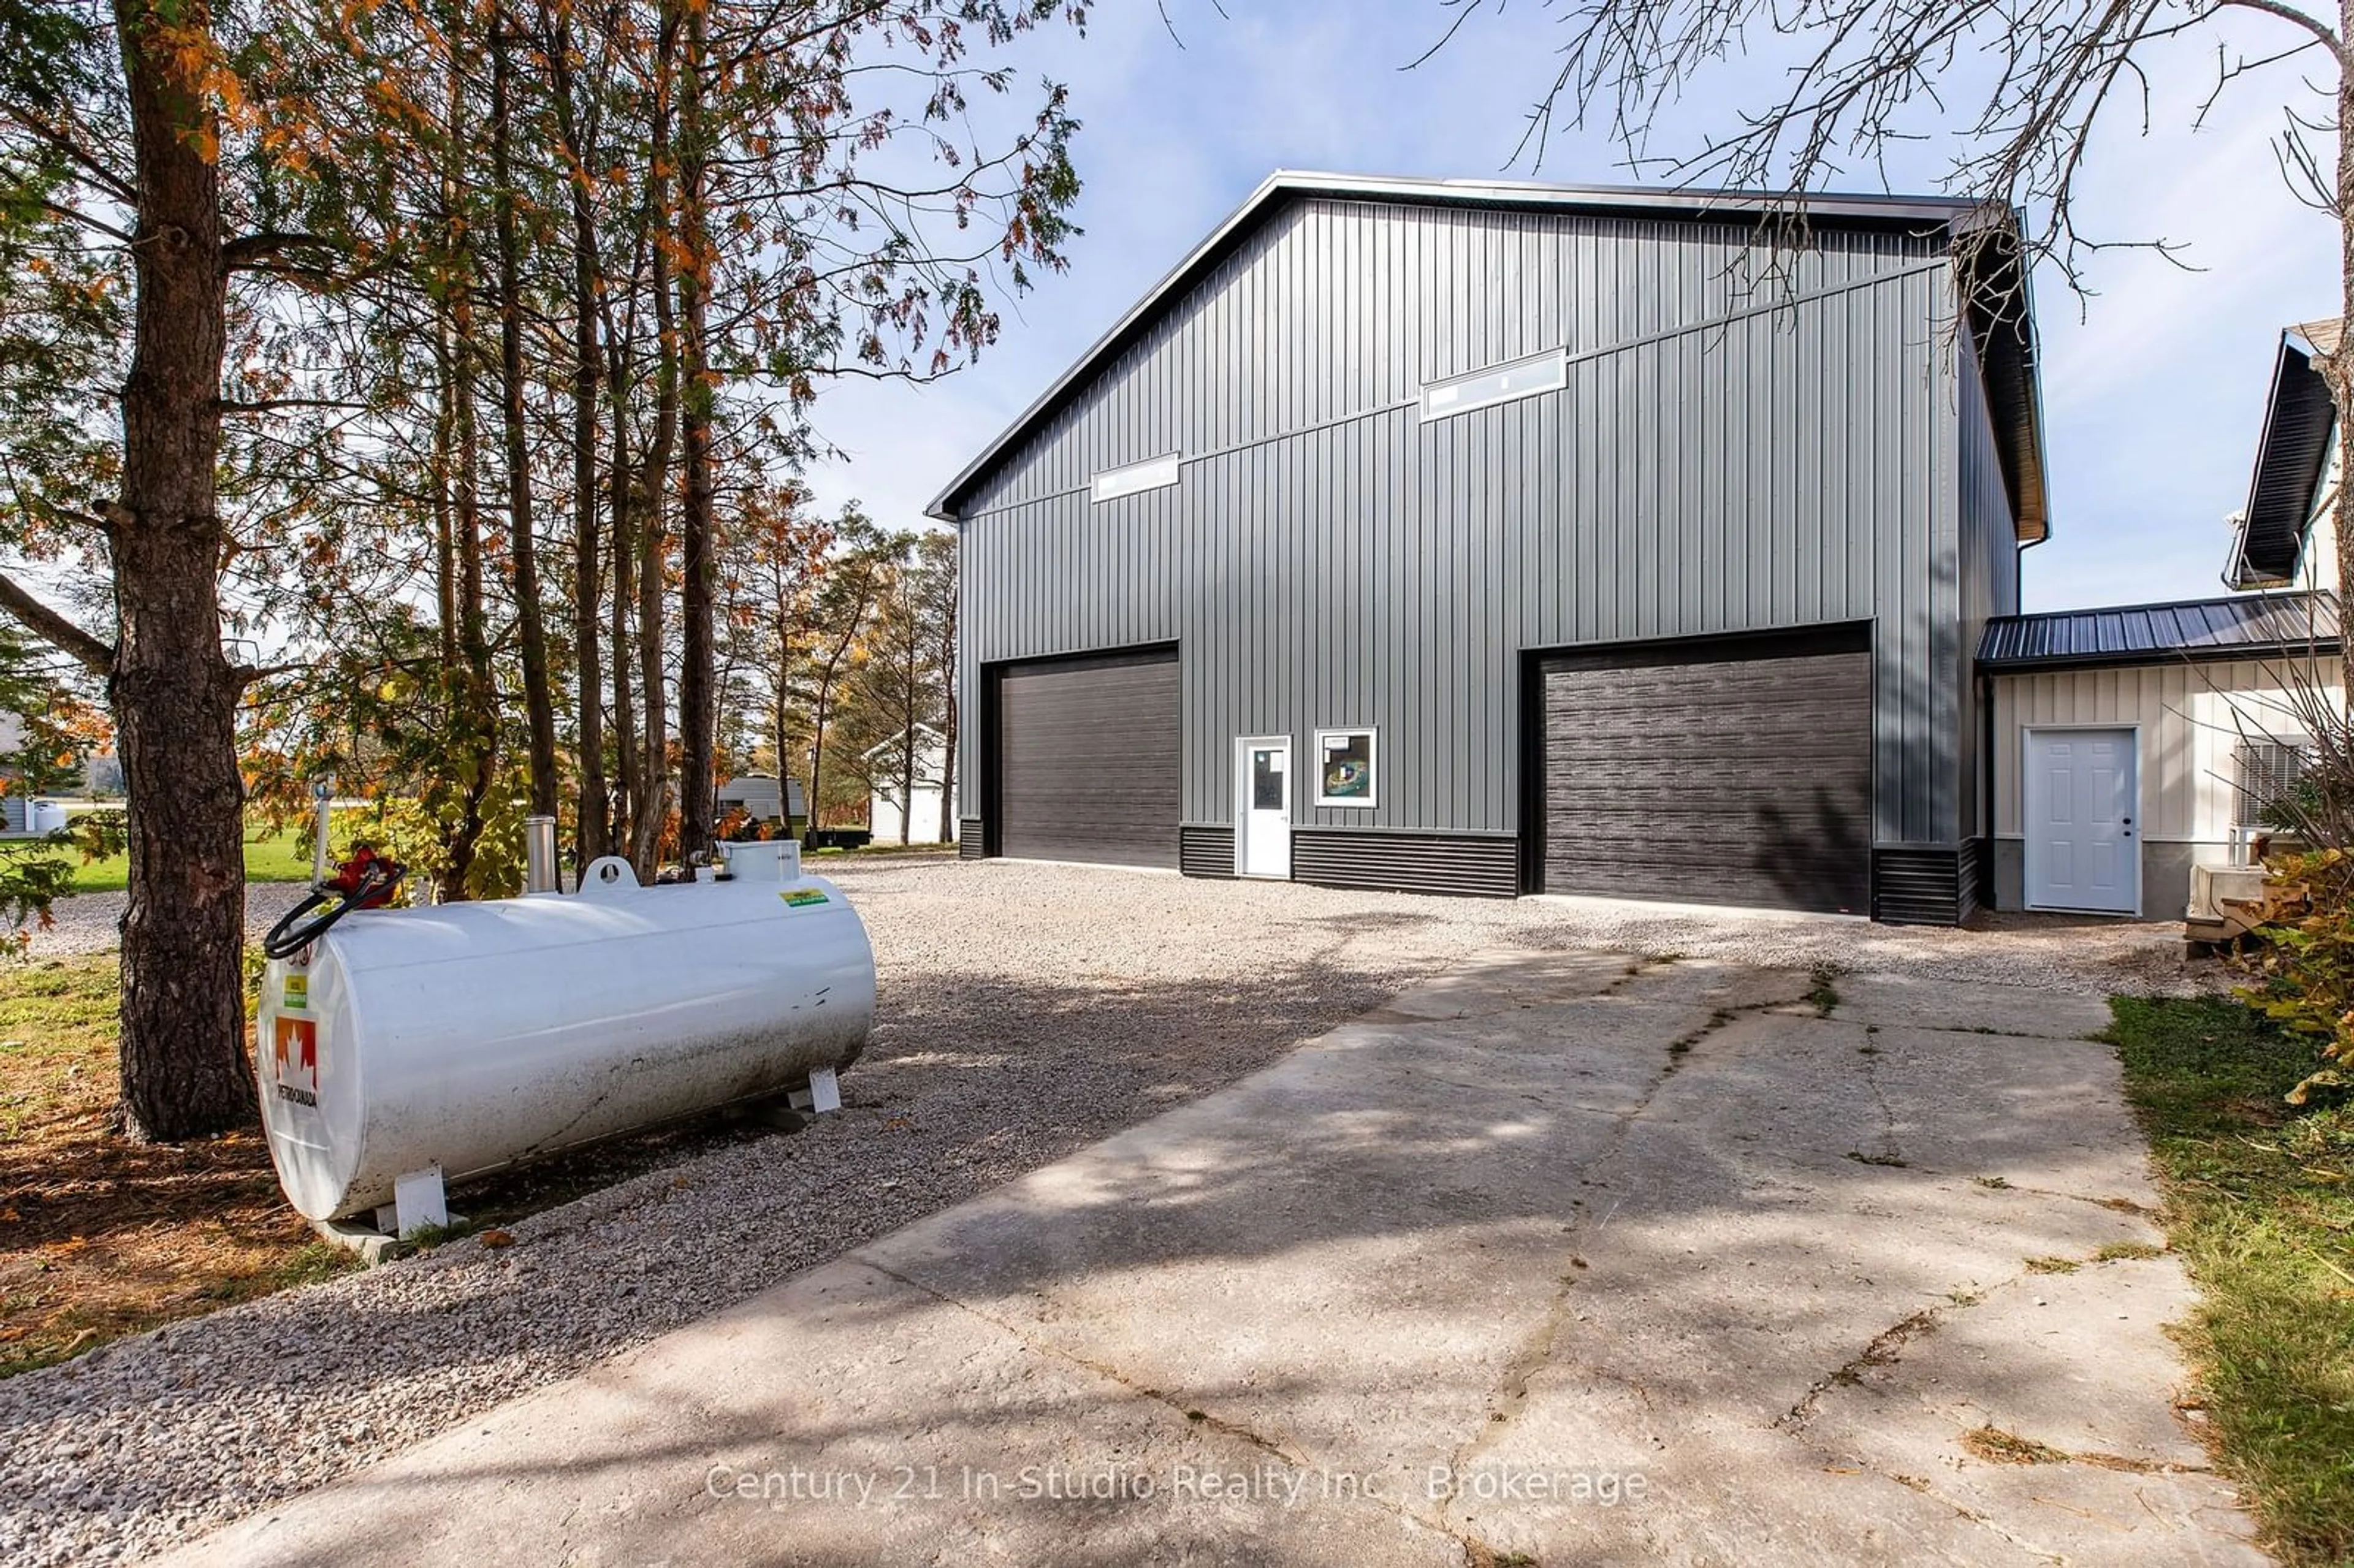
(1153, 473)
(1344, 768)
(1547, 372)
(2264, 777)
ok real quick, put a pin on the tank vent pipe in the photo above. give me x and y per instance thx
(539, 854)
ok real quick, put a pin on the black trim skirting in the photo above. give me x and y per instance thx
(1467, 865)
(972, 839)
(1918, 885)
(1204, 851)
(1976, 876)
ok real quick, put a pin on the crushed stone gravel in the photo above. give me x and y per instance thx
(92, 922)
(1027, 1010)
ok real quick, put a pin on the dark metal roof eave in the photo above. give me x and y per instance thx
(2242, 627)
(1900, 211)
(2241, 653)
(2260, 527)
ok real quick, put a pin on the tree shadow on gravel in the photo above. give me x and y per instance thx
(1750, 1226)
(967, 1083)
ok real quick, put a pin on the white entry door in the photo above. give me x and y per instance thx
(2081, 802)
(1263, 815)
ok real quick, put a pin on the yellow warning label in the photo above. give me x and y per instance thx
(802, 898)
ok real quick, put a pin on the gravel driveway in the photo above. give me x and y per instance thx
(1027, 1010)
(92, 922)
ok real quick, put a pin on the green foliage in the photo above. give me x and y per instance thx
(417, 832)
(2304, 961)
(56, 733)
(2259, 1207)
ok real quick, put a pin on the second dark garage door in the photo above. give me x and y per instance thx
(1737, 771)
(1087, 759)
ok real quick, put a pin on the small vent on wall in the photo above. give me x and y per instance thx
(1153, 473)
(1458, 865)
(971, 845)
(1917, 887)
(1205, 851)
(1547, 372)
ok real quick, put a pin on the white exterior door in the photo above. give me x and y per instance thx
(2081, 797)
(1263, 811)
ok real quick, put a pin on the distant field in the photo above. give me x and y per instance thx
(268, 857)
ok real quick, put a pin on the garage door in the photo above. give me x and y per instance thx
(1729, 772)
(1087, 759)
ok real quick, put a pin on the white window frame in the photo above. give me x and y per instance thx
(2298, 746)
(1368, 801)
(1136, 478)
(1494, 384)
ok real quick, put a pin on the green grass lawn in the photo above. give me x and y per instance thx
(2260, 1204)
(268, 857)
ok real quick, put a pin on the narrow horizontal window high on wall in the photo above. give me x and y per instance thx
(1153, 473)
(1547, 372)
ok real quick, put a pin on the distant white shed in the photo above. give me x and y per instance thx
(764, 797)
(922, 815)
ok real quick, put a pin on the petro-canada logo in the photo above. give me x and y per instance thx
(294, 1056)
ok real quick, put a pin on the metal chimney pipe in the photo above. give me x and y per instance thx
(321, 798)
(540, 873)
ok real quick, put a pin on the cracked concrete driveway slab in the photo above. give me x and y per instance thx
(1589, 1260)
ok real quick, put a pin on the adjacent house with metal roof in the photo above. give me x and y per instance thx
(2134, 747)
(1500, 538)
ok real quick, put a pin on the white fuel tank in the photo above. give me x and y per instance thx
(474, 1036)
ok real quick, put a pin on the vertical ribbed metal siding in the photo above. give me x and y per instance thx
(1328, 560)
(1988, 564)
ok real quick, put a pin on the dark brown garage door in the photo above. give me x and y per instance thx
(1726, 772)
(1087, 759)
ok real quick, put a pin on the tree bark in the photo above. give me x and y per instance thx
(2340, 364)
(523, 545)
(697, 717)
(948, 761)
(652, 806)
(185, 1070)
(596, 804)
(474, 714)
(625, 581)
(443, 464)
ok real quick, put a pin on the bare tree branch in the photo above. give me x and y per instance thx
(2295, 18)
(53, 629)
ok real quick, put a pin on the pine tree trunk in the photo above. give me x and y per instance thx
(948, 762)
(443, 463)
(596, 805)
(473, 715)
(907, 784)
(185, 1071)
(2340, 364)
(652, 806)
(523, 543)
(625, 587)
(697, 718)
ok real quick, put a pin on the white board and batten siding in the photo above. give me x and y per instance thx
(2190, 719)
(923, 824)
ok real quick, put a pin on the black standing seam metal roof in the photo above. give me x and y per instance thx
(2003, 317)
(2289, 457)
(2245, 626)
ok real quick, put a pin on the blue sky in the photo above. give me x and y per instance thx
(2153, 386)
